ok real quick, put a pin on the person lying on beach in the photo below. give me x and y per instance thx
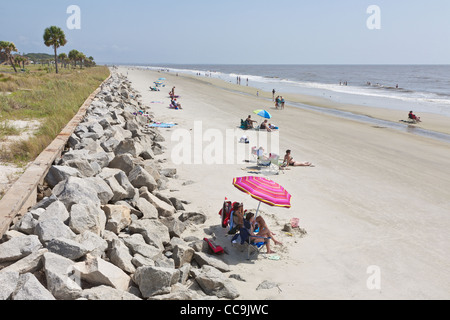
(265, 126)
(412, 116)
(250, 122)
(289, 161)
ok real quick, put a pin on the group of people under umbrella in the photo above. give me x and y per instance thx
(253, 225)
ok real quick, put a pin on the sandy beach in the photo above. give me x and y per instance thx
(377, 198)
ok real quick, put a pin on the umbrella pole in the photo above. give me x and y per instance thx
(257, 210)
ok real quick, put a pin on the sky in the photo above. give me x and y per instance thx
(237, 31)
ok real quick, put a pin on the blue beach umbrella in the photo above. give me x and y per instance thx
(263, 113)
(162, 79)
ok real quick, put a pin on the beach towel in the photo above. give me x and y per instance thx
(161, 125)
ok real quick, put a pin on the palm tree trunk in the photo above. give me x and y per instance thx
(56, 60)
(12, 63)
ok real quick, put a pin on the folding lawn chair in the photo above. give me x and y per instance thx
(243, 237)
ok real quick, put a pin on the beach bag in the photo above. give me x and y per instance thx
(214, 248)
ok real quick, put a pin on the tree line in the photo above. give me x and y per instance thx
(53, 37)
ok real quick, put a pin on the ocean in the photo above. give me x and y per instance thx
(421, 88)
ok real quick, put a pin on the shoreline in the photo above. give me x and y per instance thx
(431, 122)
(360, 205)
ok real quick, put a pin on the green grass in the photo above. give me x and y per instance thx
(53, 99)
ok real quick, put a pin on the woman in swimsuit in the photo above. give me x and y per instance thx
(288, 160)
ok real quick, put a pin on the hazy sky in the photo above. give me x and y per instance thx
(237, 31)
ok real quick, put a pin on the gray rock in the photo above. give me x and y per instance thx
(205, 259)
(76, 191)
(106, 293)
(148, 210)
(141, 178)
(67, 248)
(177, 204)
(30, 263)
(93, 243)
(141, 261)
(194, 217)
(154, 232)
(62, 280)
(85, 217)
(154, 281)
(103, 190)
(119, 255)
(56, 174)
(18, 248)
(118, 217)
(213, 283)
(123, 162)
(29, 288)
(137, 245)
(51, 229)
(182, 254)
(175, 226)
(83, 166)
(118, 183)
(129, 146)
(27, 223)
(169, 172)
(164, 209)
(100, 157)
(110, 145)
(184, 273)
(97, 271)
(265, 285)
(8, 284)
(56, 210)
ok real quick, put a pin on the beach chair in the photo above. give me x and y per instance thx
(227, 217)
(270, 161)
(243, 238)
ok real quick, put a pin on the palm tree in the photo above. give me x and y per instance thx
(73, 56)
(54, 37)
(8, 47)
(81, 58)
(21, 60)
(63, 58)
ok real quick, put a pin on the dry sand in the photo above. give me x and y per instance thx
(376, 197)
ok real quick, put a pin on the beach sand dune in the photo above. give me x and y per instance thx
(375, 206)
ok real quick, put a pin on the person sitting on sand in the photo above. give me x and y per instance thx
(265, 126)
(176, 104)
(250, 122)
(265, 232)
(289, 161)
(412, 116)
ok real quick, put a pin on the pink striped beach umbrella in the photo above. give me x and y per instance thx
(264, 190)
